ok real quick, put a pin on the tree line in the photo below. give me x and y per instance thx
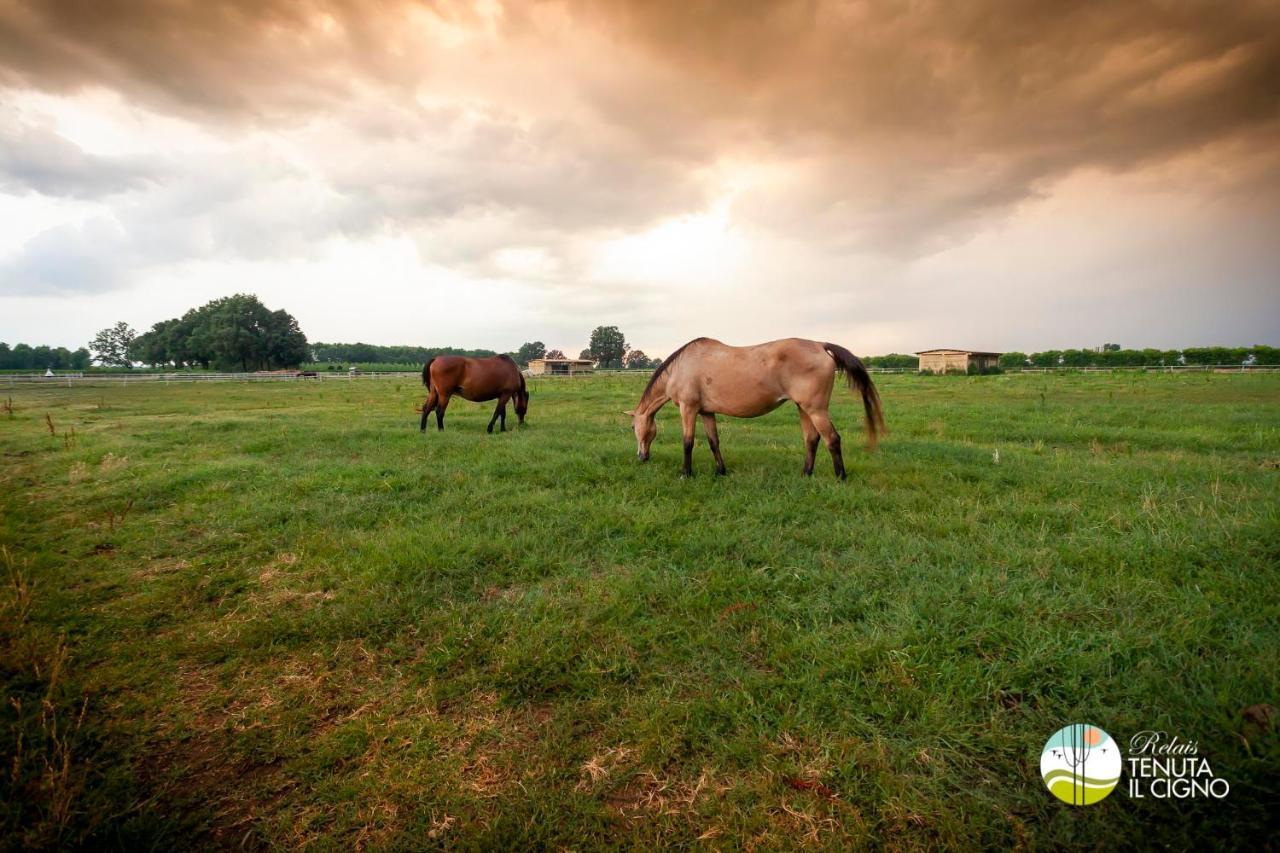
(360, 353)
(26, 357)
(607, 347)
(1113, 355)
(240, 333)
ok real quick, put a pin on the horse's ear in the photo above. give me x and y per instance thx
(630, 413)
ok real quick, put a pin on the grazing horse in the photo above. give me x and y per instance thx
(706, 378)
(476, 379)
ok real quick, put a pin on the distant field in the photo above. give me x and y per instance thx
(276, 614)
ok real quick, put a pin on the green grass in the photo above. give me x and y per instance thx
(276, 614)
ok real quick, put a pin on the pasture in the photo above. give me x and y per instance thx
(276, 615)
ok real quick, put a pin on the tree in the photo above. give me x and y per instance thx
(286, 345)
(893, 359)
(585, 355)
(637, 360)
(79, 359)
(111, 345)
(554, 353)
(234, 333)
(608, 346)
(1013, 359)
(529, 351)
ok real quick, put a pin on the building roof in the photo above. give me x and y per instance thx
(965, 351)
(561, 361)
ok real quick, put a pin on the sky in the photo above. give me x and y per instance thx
(890, 176)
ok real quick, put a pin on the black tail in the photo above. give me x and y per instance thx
(860, 380)
(426, 373)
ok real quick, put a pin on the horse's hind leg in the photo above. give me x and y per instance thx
(441, 405)
(432, 399)
(822, 422)
(810, 441)
(713, 439)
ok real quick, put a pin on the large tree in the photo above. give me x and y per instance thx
(554, 353)
(233, 333)
(528, 351)
(111, 345)
(608, 346)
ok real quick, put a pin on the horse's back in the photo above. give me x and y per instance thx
(487, 378)
(751, 380)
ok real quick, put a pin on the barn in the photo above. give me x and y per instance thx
(957, 360)
(560, 366)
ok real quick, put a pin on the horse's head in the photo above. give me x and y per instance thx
(522, 404)
(646, 427)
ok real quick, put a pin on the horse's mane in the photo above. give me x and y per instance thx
(666, 362)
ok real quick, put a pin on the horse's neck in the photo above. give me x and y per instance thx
(656, 398)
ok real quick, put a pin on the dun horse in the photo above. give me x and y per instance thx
(706, 378)
(476, 379)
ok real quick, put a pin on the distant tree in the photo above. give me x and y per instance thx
(379, 354)
(79, 359)
(893, 359)
(528, 351)
(1111, 348)
(111, 345)
(636, 360)
(22, 358)
(1265, 355)
(554, 353)
(1013, 359)
(608, 346)
(586, 355)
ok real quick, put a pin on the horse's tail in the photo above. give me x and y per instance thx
(860, 380)
(426, 373)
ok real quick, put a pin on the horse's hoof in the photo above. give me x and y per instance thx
(720, 472)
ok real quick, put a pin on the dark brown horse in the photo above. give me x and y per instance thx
(705, 378)
(475, 379)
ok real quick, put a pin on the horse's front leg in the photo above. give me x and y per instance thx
(688, 419)
(713, 439)
(441, 405)
(810, 442)
(499, 411)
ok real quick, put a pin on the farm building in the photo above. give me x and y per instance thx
(956, 360)
(560, 366)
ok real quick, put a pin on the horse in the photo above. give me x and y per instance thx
(706, 378)
(476, 379)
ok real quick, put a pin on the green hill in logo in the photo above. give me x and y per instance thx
(1080, 764)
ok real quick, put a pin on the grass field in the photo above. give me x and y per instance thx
(276, 615)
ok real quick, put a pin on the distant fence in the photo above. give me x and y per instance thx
(72, 379)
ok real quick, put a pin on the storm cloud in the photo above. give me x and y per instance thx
(844, 147)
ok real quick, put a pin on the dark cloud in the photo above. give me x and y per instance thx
(899, 128)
